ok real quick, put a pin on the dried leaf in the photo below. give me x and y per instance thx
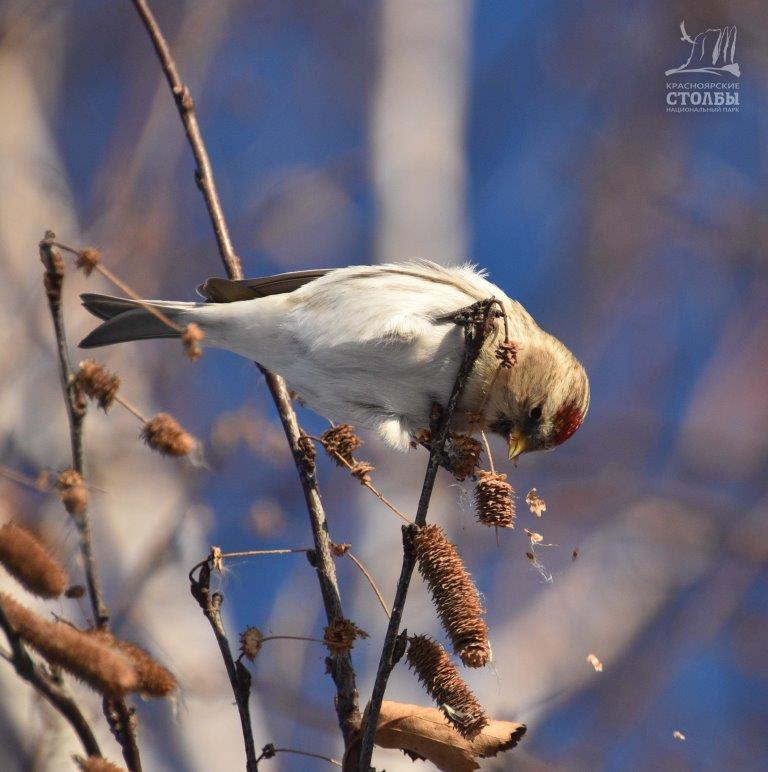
(424, 732)
(535, 503)
(536, 538)
(595, 662)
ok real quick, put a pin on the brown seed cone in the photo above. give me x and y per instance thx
(165, 434)
(341, 440)
(98, 383)
(454, 594)
(307, 448)
(506, 353)
(463, 455)
(30, 562)
(72, 492)
(103, 668)
(154, 679)
(340, 636)
(190, 339)
(251, 641)
(88, 259)
(431, 663)
(362, 471)
(494, 502)
(97, 764)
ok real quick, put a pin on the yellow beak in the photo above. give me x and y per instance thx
(516, 443)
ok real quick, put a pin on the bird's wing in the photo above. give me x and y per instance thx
(384, 303)
(228, 291)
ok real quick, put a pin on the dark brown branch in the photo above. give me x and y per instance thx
(76, 407)
(186, 107)
(476, 321)
(239, 677)
(54, 280)
(269, 752)
(52, 690)
(340, 667)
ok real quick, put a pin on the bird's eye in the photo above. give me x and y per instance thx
(536, 413)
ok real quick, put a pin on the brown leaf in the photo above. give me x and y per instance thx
(424, 733)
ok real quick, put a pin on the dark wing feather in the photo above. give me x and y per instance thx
(229, 290)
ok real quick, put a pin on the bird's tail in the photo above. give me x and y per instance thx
(126, 320)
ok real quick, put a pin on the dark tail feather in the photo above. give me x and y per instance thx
(105, 306)
(124, 320)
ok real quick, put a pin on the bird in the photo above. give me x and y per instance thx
(376, 346)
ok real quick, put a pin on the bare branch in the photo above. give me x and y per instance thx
(76, 408)
(239, 677)
(186, 108)
(53, 691)
(340, 667)
(476, 320)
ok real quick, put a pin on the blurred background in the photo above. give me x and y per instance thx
(530, 138)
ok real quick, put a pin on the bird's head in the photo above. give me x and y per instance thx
(541, 401)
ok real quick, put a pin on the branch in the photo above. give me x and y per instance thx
(340, 667)
(476, 320)
(54, 692)
(186, 107)
(239, 677)
(54, 281)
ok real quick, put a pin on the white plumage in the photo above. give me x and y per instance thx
(368, 345)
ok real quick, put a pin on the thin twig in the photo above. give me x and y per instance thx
(340, 667)
(368, 576)
(120, 284)
(488, 452)
(216, 555)
(379, 495)
(308, 753)
(291, 638)
(239, 677)
(54, 280)
(22, 479)
(53, 691)
(477, 320)
(186, 108)
(76, 408)
(254, 553)
(131, 408)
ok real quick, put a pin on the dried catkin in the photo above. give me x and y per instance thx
(98, 383)
(30, 562)
(72, 492)
(88, 259)
(100, 666)
(97, 764)
(463, 455)
(362, 471)
(341, 441)
(454, 595)
(154, 679)
(431, 663)
(190, 339)
(494, 501)
(340, 635)
(164, 434)
(251, 641)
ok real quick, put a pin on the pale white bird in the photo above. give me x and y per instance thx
(372, 346)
